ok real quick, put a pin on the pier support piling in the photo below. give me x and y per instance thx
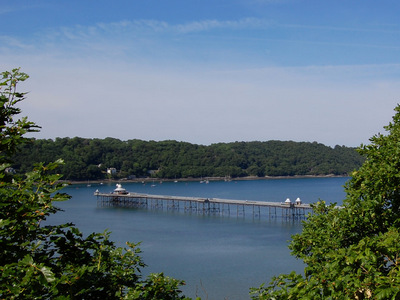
(213, 206)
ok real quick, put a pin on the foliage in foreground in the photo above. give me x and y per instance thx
(57, 262)
(352, 252)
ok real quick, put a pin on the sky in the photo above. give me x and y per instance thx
(206, 71)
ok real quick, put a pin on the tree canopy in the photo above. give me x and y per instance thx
(57, 262)
(353, 251)
(88, 159)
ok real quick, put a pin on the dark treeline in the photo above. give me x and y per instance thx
(89, 159)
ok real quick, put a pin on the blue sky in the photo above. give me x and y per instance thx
(206, 71)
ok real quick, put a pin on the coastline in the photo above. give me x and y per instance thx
(191, 179)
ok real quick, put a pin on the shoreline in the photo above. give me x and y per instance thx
(149, 180)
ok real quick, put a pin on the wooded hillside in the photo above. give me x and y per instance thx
(89, 159)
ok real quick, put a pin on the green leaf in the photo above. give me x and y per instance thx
(48, 274)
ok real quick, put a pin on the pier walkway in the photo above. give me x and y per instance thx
(204, 205)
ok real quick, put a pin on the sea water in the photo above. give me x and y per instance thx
(219, 257)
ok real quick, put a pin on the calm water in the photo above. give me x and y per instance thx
(218, 257)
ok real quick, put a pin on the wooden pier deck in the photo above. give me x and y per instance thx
(203, 205)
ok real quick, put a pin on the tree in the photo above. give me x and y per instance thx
(353, 251)
(174, 159)
(57, 262)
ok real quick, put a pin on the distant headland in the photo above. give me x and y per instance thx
(137, 160)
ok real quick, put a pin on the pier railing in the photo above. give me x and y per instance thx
(201, 205)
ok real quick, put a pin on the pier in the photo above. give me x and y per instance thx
(199, 205)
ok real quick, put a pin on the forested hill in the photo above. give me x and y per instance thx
(89, 159)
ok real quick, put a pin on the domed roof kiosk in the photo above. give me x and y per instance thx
(120, 190)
